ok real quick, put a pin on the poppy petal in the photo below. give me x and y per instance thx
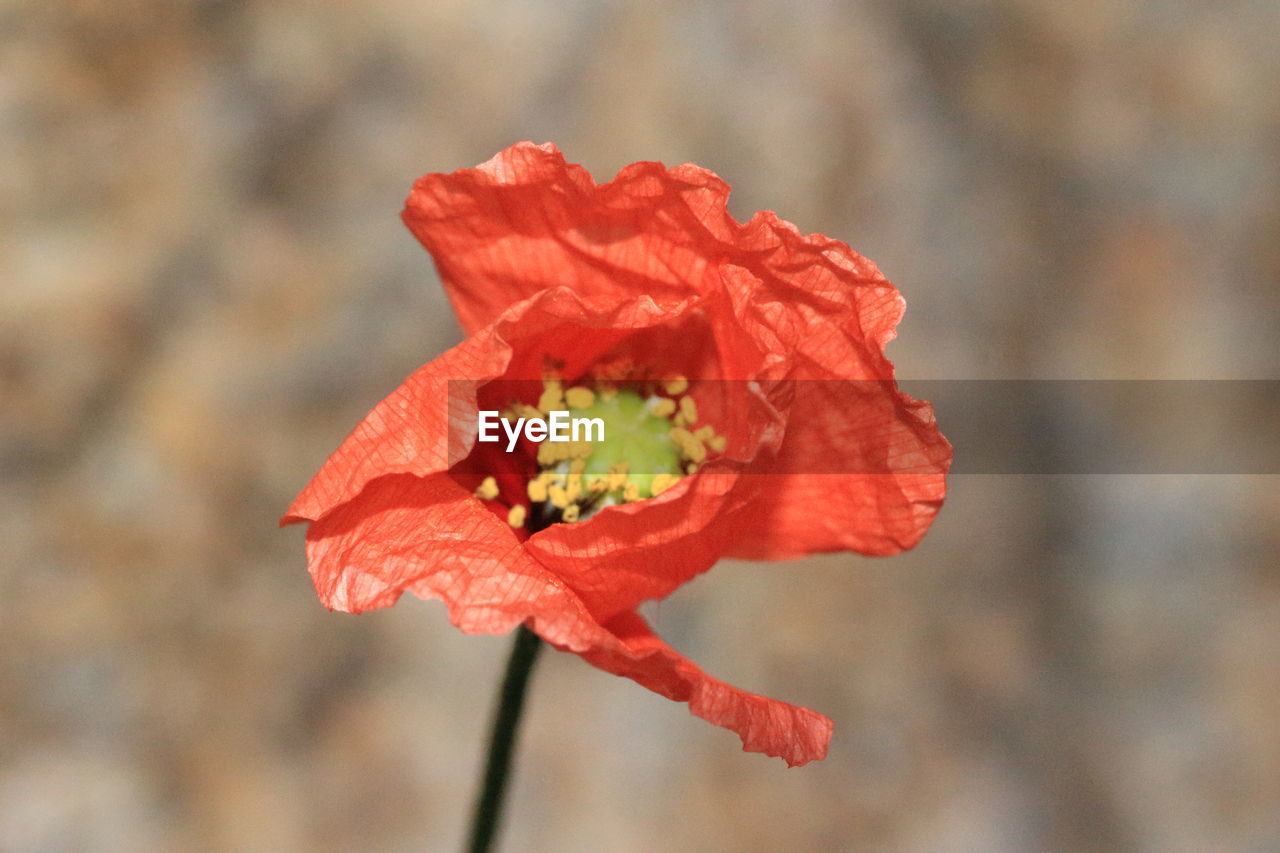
(635, 552)
(428, 536)
(428, 424)
(796, 735)
(527, 220)
(410, 431)
(868, 474)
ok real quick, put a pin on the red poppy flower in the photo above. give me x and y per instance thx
(742, 363)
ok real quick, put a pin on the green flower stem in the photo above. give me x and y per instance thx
(502, 740)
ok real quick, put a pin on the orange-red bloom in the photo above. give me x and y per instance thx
(646, 277)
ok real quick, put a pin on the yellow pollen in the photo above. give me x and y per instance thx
(691, 446)
(617, 476)
(570, 482)
(579, 398)
(537, 491)
(488, 489)
(717, 443)
(515, 515)
(664, 408)
(552, 398)
(662, 482)
(551, 452)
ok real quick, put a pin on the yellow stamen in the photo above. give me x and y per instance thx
(537, 490)
(617, 476)
(664, 408)
(552, 398)
(564, 482)
(690, 446)
(579, 398)
(515, 515)
(488, 489)
(551, 452)
(662, 482)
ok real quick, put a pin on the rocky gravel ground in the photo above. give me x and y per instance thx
(204, 283)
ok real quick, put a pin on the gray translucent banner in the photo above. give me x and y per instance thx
(1088, 426)
(994, 426)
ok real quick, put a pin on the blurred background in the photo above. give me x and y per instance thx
(204, 283)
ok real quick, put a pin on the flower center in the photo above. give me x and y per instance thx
(637, 442)
(651, 440)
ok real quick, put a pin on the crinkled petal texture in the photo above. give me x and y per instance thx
(783, 335)
(430, 537)
(817, 312)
